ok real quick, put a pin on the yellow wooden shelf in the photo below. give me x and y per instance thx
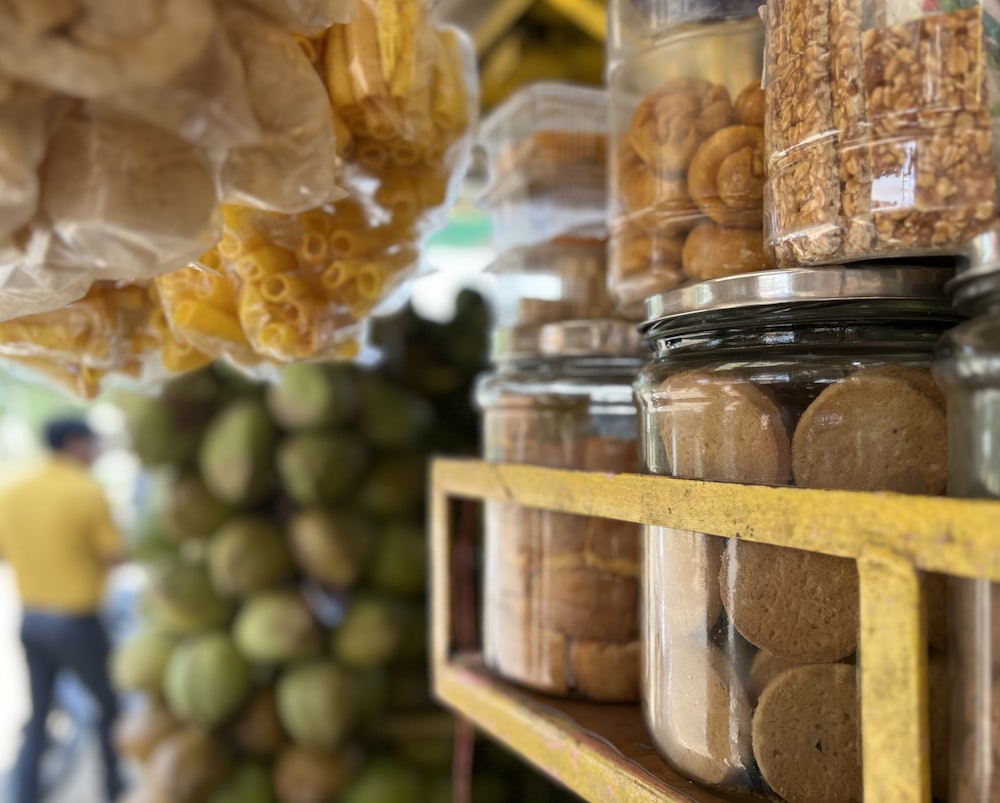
(892, 537)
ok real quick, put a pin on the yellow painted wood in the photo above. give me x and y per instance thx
(954, 536)
(590, 15)
(895, 740)
(439, 527)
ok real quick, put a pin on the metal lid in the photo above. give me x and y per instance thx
(978, 273)
(784, 288)
(593, 338)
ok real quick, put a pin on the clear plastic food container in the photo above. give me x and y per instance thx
(562, 281)
(561, 592)
(880, 132)
(687, 171)
(813, 378)
(549, 125)
(967, 366)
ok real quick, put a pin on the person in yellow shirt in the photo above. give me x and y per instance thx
(57, 533)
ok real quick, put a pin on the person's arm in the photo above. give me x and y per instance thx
(106, 539)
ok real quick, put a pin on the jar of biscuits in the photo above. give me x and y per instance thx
(565, 280)
(687, 171)
(880, 125)
(546, 149)
(815, 378)
(967, 366)
(560, 591)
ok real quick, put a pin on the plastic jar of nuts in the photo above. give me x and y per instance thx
(559, 281)
(967, 366)
(561, 592)
(813, 378)
(880, 128)
(687, 171)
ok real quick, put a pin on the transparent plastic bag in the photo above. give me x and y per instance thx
(124, 199)
(97, 48)
(27, 284)
(880, 138)
(24, 117)
(306, 16)
(306, 282)
(293, 166)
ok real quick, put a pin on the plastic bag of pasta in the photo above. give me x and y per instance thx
(292, 167)
(24, 120)
(98, 48)
(306, 16)
(410, 150)
(306, 282)
(73, 379)
(123, 199)
(27, 284)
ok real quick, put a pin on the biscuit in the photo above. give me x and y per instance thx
(605, 672)
(509, 544)
(613, 455)
(919, 378)
(590, 604)
(872, 432)
(936, 600)
(806, 735)
(764, 668)
(711, 252)
(613, 546)
(749, 105)
(717, 426)
(939, 707)
(801, 606)
(682, 587)
(529, 655)
(699, 712)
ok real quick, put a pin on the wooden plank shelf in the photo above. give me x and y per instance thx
(603, 752)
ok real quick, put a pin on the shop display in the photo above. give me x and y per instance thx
(966, 367)
(564, 281)
(546, 148)
(561, 591)
(880, 133)
(688, 171)
(812, 378)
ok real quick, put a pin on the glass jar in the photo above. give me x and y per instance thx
(880, 128)
(560, 591)
(687, 170)
(967, 366)
(814, 378)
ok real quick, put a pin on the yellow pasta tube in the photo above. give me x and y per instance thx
(229, 247)
(241, 223)
(280, 288)
(338, 75)
(180, 358)
(370, 280)
(313, 249)
(206, 320)
(344, 243)
(276, 338)
(264, 261)
(405, 154)
(315, 220)
(398, 193)
(380, 122)
(342, 134)
(372, 155)
(364, 59)
(449, 107)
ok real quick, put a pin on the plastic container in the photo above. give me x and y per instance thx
(967, 366)
(550, 283)
(880, 133)
(814, 378)
(561, 592)
(637, 24)
(687, 172)
(546, 149)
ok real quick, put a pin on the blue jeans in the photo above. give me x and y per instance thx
(79, 644)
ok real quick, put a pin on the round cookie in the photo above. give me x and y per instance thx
(589, 604)
(681, 581)
(872, 432)
(529, 655)
(613, 546)
(764, 668)
(716, 426)
(806, 735)
(711, 251)
(920, 378)
(801, 606)
(698, 712)
(613, 455)
(605, 672)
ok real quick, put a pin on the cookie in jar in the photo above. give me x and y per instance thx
(688, 163)
(813, 378)
(561, 591)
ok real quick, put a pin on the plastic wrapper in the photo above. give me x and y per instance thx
(125, 200)
(687, 171)
(306, 16)
(99, 48)
(27, 284)
(304, 283)
(880, 135)
(293, 166)
(24, 117)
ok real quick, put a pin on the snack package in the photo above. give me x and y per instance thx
(292, 167)
(24, 116)
(305, 282)
(306, 16)
(124, 199)
(98, 48)
(27, 284)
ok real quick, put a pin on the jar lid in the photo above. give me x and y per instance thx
(593, 338)
(978, 274)
(783, 288)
